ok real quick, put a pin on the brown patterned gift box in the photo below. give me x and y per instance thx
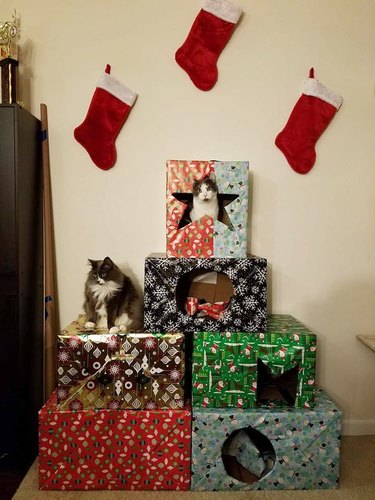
(133, 370)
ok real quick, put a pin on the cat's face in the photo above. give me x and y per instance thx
(102, 270)
(205, 189)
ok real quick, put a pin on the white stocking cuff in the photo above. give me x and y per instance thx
(316, 89)
(223, 9)
(115, 87)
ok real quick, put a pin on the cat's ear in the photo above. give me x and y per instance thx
(212, 176)
(93, 263)
(107, 263)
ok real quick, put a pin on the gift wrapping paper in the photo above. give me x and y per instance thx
(225, 364)
(165, 311)
(207, 238)
(306, 443)
(114, 449)
(118, 371)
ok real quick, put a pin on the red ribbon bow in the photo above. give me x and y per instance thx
(215, 310)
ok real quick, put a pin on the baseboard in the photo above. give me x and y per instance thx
(352, 427)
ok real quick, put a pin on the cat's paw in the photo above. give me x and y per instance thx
(114, 329)
(123, 328)
(89, 325)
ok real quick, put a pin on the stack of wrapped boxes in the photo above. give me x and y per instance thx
(121, 417)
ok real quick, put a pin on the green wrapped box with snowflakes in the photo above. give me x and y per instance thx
(245, 370)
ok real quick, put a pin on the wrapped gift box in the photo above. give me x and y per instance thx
(292, 448)
(166, 290)
(227, 371)
(118, 371)
(113, 449)
(207, 238)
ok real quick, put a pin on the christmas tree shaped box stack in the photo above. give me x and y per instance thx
(121, 417)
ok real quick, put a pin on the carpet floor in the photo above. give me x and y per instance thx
(357, 482)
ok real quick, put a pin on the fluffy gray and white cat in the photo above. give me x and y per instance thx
(205, 198)
(111, 300)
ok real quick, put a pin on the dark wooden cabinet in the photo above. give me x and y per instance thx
(21, 285)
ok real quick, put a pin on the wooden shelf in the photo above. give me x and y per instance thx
(368, 340)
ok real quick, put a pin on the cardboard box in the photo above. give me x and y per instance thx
(168, 284)
(292, 448)
(113, 449)
(206, 238)
(245, 370)
(212, 287)
(118, 371)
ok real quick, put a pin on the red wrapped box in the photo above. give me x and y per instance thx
(114, 449)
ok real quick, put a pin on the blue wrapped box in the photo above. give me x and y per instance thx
(267, 449)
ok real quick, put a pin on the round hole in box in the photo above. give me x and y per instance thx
(248, 455)
(204, 285)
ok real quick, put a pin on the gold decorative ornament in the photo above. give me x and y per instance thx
(8, 33)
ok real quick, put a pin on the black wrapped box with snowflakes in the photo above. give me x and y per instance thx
(166, 288)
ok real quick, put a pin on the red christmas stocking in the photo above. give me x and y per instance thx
(208, 36)
(310, 117)
(109, 108)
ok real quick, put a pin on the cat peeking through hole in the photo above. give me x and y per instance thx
(111, 300)
(205, 201)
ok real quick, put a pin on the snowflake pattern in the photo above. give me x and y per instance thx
(160, 292)
(114, 405)
(114, 368)
(63, 356)
(74, 342)
(62, 393)
(246, 311)
(150, 405)
(114, 342)
(150, 343)
(76, 405)
(175, 375)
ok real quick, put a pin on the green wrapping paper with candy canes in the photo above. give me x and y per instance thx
(227, 366)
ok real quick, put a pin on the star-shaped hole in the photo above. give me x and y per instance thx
(223, 200)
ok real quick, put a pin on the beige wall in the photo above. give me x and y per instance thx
(317, 231)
